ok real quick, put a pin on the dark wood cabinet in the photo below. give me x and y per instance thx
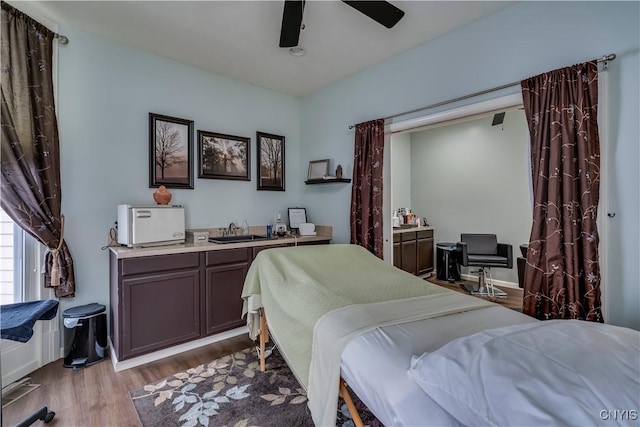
(408, 247)
(424, 249)
(258, 249)
(165, 300)
(155, 303)
(413, 251)
(311, 243)
(224, 279)
(397, 251)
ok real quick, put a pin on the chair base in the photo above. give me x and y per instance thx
(485, 287)
(42, 414)
(489, 291)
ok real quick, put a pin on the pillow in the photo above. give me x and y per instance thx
(556, 372)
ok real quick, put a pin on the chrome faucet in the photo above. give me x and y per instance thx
(231, 229)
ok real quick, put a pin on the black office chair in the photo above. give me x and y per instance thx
(484, 251)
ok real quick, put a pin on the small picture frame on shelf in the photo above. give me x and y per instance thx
(318, 169)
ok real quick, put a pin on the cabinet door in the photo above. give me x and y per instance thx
(425, 255)
(159, 310)
(397, 251)
(223, 308)
(397, 255)
(314, 242)
(258, 249)
(409, 261)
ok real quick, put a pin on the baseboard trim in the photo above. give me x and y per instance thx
(121, 365)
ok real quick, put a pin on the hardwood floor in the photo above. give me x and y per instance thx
(97, 395)
(513, 299)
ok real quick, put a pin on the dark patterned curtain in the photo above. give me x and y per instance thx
(562, 277)
(30, 153)
(366, 191)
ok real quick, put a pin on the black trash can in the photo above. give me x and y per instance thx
(85, 335)
(447, 262)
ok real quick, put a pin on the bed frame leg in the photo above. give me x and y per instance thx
(264, 337)
(350, 405)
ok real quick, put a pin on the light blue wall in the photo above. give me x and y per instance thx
(523, 40)
(106, 92)
(400, 147)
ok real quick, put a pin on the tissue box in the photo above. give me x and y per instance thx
(197, 236)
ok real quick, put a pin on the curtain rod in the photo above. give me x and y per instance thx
(11, 9)
(605, 59)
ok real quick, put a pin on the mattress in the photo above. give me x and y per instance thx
(375, 364)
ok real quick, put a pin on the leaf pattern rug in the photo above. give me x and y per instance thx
(231, 391)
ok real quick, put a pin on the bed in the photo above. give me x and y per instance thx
(338, 313)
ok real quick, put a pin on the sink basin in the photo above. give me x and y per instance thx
(237, 239)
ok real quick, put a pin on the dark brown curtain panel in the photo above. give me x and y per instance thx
(30, 159)
(562, 277)
(366, 191)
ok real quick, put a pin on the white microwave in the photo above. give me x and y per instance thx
(140, 226)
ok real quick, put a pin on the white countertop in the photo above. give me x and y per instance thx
(409, 229)
(323, 233)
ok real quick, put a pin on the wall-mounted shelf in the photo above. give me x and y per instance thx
(327, 181)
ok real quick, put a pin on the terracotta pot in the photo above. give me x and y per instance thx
(162, 196)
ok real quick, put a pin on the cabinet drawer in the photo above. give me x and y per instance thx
(315, 242)
(257, 249)
(408, 236)
(228, 256)
(426, 234)
(158, 263)
(396, 238)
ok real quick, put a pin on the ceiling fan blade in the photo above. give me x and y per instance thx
(382, 12)
(291, 22)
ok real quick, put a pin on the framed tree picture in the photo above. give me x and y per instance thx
(270, 161)
(223, 156)
(170, 152)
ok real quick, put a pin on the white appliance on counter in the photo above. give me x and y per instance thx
(140, 226)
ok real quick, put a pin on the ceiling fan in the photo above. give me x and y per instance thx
(382, 12)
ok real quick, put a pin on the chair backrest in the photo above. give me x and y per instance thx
(484, 244)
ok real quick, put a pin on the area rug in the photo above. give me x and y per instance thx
(231, 391)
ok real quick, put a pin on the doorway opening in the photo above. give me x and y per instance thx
(463, 171)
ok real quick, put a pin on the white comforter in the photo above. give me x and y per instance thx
(552, 373)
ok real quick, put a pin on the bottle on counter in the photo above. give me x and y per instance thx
(245, 228)
(396, 219)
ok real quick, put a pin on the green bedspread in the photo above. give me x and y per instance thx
(298, 285)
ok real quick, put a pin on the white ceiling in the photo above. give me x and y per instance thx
(239, 39)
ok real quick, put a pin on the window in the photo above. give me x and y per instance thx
(21, 257)
(19, 254)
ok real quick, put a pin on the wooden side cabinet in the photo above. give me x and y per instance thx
(161, 301)
(413, 251)
(155, 303)
(224, 279)
(397, 252)
(409, 248)
(424, 249)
